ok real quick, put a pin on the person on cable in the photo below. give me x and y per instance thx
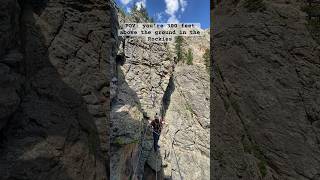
(156, 126)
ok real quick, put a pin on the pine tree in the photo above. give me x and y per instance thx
(178, 47)
(144, 12)
(134, 9)
(189, 57)
(206, 57)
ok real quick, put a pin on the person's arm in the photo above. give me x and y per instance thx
(151, 123)
(163, 122)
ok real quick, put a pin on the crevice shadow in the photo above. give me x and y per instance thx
(167, 97)
(151, 174)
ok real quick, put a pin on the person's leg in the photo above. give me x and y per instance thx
(158, 138)
(155, 142)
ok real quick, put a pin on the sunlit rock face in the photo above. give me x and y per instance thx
(147, 81)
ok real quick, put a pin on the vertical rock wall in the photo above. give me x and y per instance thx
(266, 77)
(53, 63)
(142, 80)
(185, 140)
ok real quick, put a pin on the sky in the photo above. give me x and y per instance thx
(173, 11)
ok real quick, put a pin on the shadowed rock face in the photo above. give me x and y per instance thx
(265, 95)
(53, 100)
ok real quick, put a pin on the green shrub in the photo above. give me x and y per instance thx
(262, 168)
(119, 141)
(262, 165)
(256, 151)
(134, 8)
(143, 11)
(178, 47)
(189, 57)
(206, 57)
(189, 108)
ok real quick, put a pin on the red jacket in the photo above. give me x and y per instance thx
(157, 126)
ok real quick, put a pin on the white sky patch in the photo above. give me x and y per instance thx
(125, 2)
(159, 16)
(183, 4)
(142, 3)
(128, 9)
(173, 19)
(172, 7)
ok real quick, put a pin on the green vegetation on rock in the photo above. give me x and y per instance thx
(189, 108)
(206, 57)
(262, 168)
(178, 47)
(142, 11)
(119, 141)
(256, 151)
(189, 57)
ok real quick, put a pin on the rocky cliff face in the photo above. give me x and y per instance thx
(141, 73)
(53, 100)
(141, 83)
(265, 93)
(147, 81)
(186, 137)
